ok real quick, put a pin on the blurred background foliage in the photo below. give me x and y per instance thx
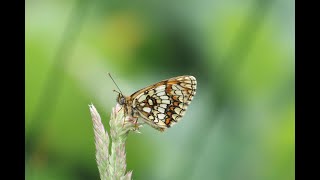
(240, 124)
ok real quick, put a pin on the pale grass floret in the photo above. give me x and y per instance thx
(112, 165)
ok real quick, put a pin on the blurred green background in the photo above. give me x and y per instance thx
(240, 124)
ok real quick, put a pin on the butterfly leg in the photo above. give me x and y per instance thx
(135, 116)
(132, 118)
(136, 125)
(120, 109)
(124, 116)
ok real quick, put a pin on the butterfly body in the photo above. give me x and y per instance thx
(163, 104)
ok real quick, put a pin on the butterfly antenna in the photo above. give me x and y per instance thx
(115, 84)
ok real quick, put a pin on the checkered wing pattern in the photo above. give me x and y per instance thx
(163, 104)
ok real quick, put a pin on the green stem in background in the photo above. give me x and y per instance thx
(112, 166)
(54, 82)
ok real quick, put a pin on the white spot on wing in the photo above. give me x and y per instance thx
(160, 109)
(181, 105)
(163, 105)
(188, 86)
(178, 92)
(165, 101)
(161, 123)
(160, 88)
(161, 116)
(177, 110)
(164, 97)
(147, 109)
(175, 116)
(161, 93)
(151, 92)
(150, 102)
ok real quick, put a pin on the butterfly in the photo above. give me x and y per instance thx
(162, 104)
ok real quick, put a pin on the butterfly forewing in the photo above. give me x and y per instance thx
(163, 104)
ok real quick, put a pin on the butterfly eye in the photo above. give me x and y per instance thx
(122, 100)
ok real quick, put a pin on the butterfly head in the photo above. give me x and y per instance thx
(121, 99)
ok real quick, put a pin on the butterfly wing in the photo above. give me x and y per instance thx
(163, 104)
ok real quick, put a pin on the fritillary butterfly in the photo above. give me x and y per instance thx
(162, 104)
